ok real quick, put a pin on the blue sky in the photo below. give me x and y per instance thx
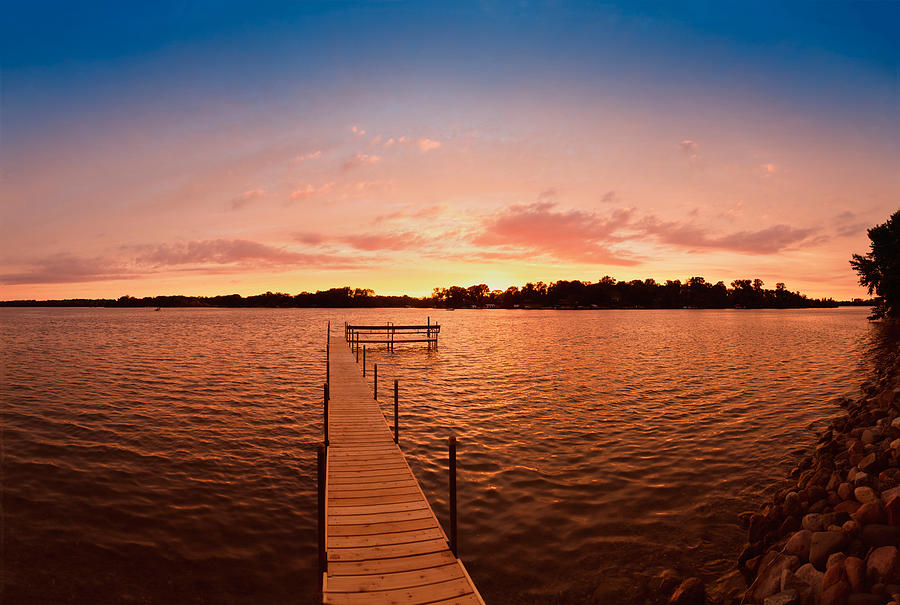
(184, 89)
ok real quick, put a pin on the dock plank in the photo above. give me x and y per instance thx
(383, 541)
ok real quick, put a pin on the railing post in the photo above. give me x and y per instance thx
(364, 361)
(396, 413)
(375, 379)
(322, 475)
(325, 409)
(357, 347)
(454, 547)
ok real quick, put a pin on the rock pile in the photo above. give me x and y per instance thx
(832, 538)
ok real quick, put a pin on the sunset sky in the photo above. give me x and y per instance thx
(211, 147)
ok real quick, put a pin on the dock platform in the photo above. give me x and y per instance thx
(383, 542)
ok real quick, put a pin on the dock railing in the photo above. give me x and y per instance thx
(390, 334)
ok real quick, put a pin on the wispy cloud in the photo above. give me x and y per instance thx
(357, 130)
(246, 197)
(411, 212)
(400, 240)
(312, 155)
(764, 241)
(359, 159)
(690, 149)
(203, 256)
(67, 268)
(309, 191)
(846, 224)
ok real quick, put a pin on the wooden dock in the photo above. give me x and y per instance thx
(383, 543)
(390, 334)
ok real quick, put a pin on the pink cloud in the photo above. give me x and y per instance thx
(313, 155)
(690, 148)
(205, 256)
(360, 159)
(66, 268)
(357, 130)
(400, 240)
(406, 212)
(246, 197)
(311, 191)
(764, 241)
(573, 235)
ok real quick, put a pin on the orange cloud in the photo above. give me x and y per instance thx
(426, 144)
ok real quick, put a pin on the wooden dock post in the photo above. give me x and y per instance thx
(454, 547)
(357, 347)
(375, 380)
(396, 413)
(322, 478)
(364, 361)
(325, 410)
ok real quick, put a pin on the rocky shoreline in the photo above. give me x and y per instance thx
(832, 536)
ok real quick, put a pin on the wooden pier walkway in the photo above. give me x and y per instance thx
(383, 542)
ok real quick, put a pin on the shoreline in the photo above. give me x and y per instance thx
(831, 536)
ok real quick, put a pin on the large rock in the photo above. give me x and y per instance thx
(768, 580)
(798, 545)
(876, 535)
(882, 565)
(870, 512)
(836, 573)
(856, 572)
(845, 491)
(813, 522)
(867, 464)
(892, 509)
(812, 577)
(689, 592)
(836, 594)
(865, 494)
(824, 543)
(847, 506)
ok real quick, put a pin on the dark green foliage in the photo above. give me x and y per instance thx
(879, 270)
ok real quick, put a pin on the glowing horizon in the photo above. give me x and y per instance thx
(402, 147)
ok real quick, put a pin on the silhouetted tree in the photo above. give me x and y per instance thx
(879, 270)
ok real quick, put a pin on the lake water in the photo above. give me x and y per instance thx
(170, 457)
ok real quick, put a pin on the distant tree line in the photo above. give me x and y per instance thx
(335, 297)
(609, 293)
(604, 294)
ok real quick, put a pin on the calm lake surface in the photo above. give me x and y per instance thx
(170, 457)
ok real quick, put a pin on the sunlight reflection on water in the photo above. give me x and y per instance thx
(169, 457)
